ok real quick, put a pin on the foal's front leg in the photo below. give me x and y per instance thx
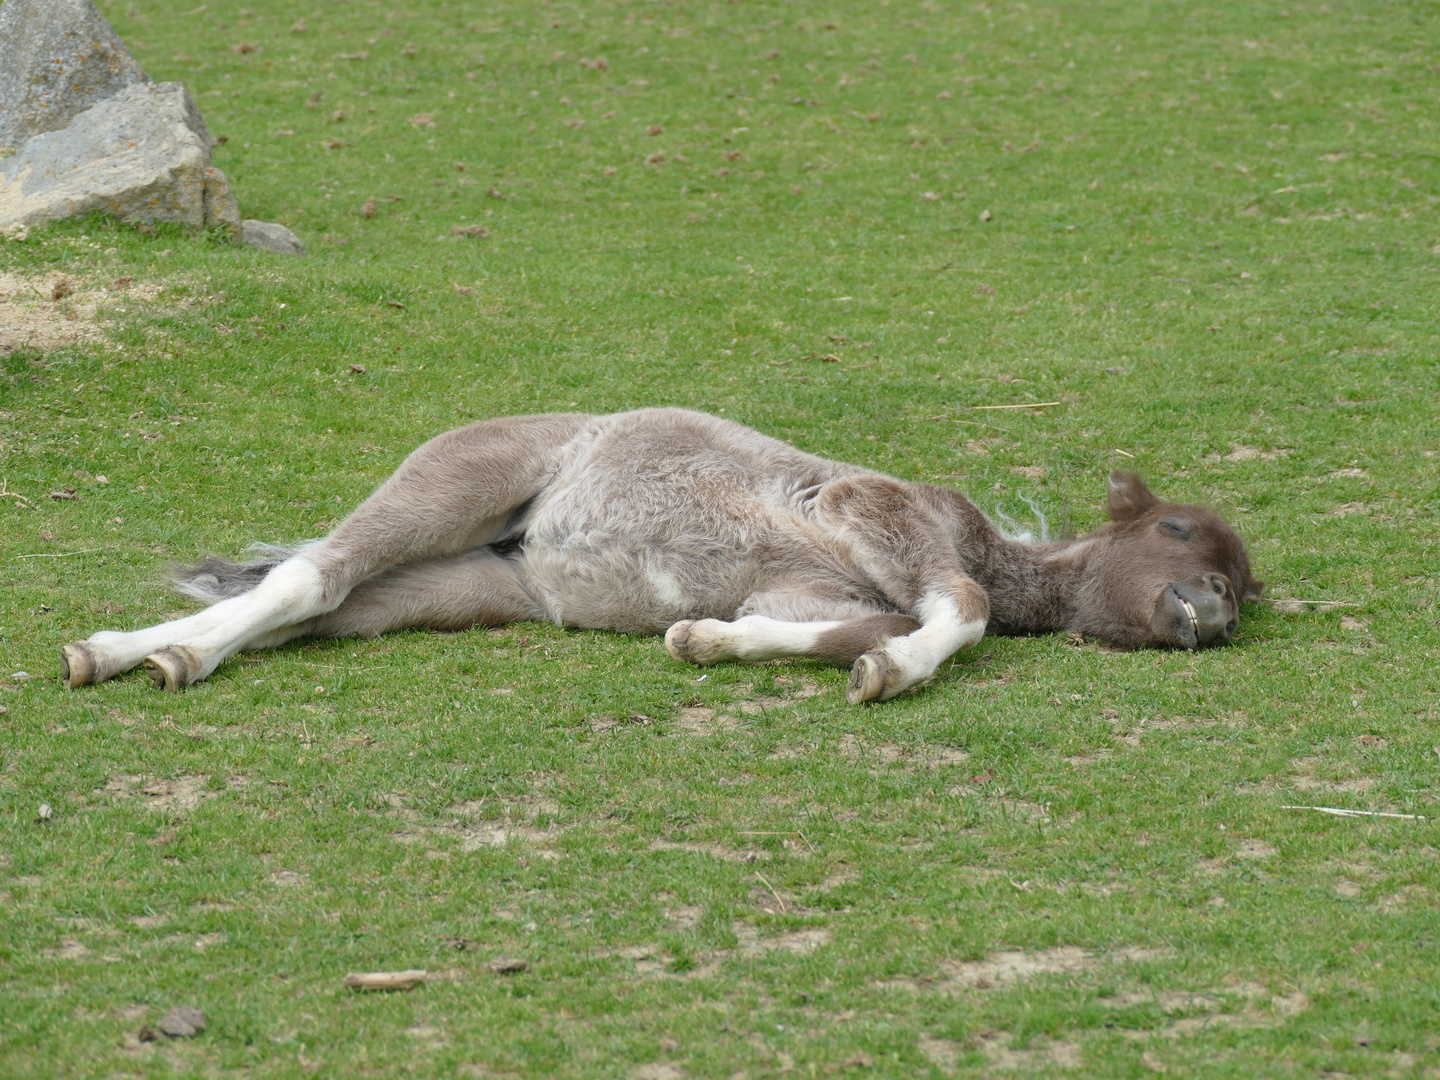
(904, 548)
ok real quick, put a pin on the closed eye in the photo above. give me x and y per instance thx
(1173, 528)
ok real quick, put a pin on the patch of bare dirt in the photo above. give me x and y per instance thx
(199, 942)
(1239, 452)
(840, 875)
(1007, 967)
(793, 689)
(602, 724)
(52, 310)
(1410, 896)
(525, 819)
(944, 1054)
(700, 721)
(1255, 849)
(751, 942)
(1262, 1010)
(177, 795)
(1079, 761)
(685, 917)
(1042, 1051)
(654, 962)
(1306, 780)
(925, 756)
(1003, 968)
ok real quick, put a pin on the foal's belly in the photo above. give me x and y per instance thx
(589, 565)
(633, 588)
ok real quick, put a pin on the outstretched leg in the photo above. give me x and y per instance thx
(458, 492)
(759, 637)
(477, 588)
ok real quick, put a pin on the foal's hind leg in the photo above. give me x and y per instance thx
(477, 588)
(459, 491)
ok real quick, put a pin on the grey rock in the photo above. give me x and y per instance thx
(57, 59)
(182, 1021)
(268, 236)
(143, 154)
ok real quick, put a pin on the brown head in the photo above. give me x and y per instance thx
(1163, 574)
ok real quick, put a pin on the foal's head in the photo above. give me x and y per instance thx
(1164, 574)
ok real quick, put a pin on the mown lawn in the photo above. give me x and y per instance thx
(1208, 232)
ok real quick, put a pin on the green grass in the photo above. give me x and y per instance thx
(1211, 236)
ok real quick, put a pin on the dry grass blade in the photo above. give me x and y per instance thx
(1340, 811)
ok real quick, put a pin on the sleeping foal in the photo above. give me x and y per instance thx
(737, 546)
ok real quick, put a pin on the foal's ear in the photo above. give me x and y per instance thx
(1254, 589)
(1128, 497)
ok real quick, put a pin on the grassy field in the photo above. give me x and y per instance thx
(1209, 232)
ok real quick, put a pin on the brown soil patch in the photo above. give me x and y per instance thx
(69, 949)
(485, 823)
(1262, 1011)
(793, 688)
(52, 310)
(686, 917)
(751, 942)
(925, 756)
(1042, 1051)
(841, 875)
(1003, 968)
(1411, 896)
(1240, 452)
(942, 1053)
(177, 795)
(1007, 967)
(1357, 786)
(701, 721)
(654, 962)
(1255, 849)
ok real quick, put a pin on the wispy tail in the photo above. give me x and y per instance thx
(217, 579)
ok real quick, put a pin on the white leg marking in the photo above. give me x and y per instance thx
(755, 637)
(905, 661)
(290, 593)
(942, 633)
(120, 651)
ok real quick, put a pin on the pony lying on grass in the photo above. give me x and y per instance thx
(737, 546)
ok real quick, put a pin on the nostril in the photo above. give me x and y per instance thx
(1231, 627)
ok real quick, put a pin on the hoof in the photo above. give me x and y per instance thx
(173, 668)
(868, 678)
(676, 640)
(80, 666)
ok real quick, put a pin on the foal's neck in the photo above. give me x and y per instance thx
(1031, 587)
